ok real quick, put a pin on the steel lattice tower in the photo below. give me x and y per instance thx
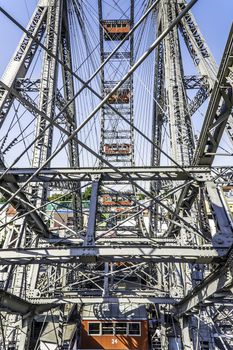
(76, 100)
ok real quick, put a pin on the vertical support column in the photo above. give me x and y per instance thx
(171, 98)
(43, 146)
(2, 334)
(102, 121)
(90, 235)
(24, 339)
(132, 84)
(60, 332)
(182, 143)
(164, 341)
(157, 124)
(184, 325)
(70, 126)
(106, 280)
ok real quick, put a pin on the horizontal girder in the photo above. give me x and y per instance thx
(36, 306)
(108, 174)
(100, 300)
(206, 254)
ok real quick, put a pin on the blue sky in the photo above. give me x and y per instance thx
(214, 18)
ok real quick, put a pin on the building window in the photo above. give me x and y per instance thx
(114, 328)
(121, 328)
(94, 328)
(134, 328)
(107, 328)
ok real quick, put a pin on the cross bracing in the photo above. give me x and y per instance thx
(96, 97)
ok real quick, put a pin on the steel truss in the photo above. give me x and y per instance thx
(181, 261)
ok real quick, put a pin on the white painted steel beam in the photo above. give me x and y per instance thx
(13, 304)
(107, 174)
(217, 281)
(111, 253)
(106, 300)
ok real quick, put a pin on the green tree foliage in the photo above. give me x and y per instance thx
(2, 198)
(141, 196)
(87, 193)
(66, 198)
